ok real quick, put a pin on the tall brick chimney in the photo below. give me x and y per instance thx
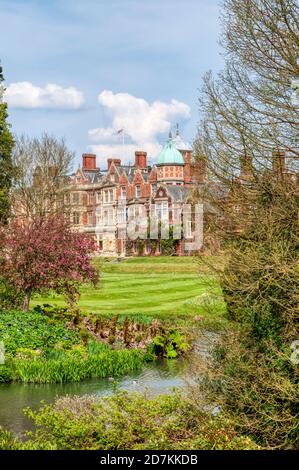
(140, 159)
(246, 169)
(187, 168)
(278, 161)
(116, 161)
(89, 161)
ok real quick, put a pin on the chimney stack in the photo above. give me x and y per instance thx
(278, 161)
(246, 170)
(89, 161)
(140, 159)
(116, 161)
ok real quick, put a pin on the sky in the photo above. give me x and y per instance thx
(85, 69)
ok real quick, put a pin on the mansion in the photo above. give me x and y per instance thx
(101, 202)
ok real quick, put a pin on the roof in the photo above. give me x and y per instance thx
(170, 155)
(178, 193)
(180, 144)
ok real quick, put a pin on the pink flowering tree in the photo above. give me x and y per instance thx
(46, 254)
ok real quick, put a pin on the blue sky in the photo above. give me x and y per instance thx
(111, 61)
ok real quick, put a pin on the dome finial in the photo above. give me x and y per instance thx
(177, 129)
(170, 135)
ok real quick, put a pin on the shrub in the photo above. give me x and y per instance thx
(169, 344)
(258, 391)
(9, 297)
(112, 423)
(33, 331)
(253, 375)
(8, 441)
(5, 373)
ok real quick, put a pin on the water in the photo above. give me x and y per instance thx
(159, 377)
(155, 378)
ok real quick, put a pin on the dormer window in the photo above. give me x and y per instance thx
(137, 190)
(78, 179)
(123, 192)
(112, 177)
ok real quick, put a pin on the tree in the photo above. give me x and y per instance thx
(42, 167)
(6, 166)
(248, 110)
(46, 254)
(249, 138)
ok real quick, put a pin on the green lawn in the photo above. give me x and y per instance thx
(159, 287)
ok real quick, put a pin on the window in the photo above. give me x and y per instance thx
(188, 229)
(76, 218)
(154, 188)
(105, 218)
(112, 177)
(137, 192)
(90, 218)
(98, 219)
(161, 209)
(111, 195)
(98, 197)
(78, 179)
(75, 198)
(121, 215)
(67, 199)
(123, 192)
(110, 217)
(90, 198)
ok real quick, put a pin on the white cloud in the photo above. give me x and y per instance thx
(142, 121)
(27, 95)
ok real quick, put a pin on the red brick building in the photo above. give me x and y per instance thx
(102, 202)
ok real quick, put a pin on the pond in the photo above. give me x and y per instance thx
(156, 378)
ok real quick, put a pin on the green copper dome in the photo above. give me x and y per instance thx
(169, 155)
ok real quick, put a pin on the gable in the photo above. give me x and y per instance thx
(138, 178)
(161, 193)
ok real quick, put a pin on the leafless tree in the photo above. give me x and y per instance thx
(42, 166)
(248, 108)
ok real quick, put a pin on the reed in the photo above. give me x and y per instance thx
(73, 369)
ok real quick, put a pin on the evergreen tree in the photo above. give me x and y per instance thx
(6, 165)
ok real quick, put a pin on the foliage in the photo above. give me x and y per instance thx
(6, 165)
(33, 331)
(252, 375)
(249, 140)
(76, 365)
(261, 280)
(46, 254)
(5, 373)
(10, 298)
(161, 423)
(258, 391)
(169, 247)
(8, 441)
(169, 344)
